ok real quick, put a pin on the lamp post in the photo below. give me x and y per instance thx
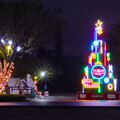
(43, 75)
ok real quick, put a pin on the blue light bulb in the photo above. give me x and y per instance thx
(106, 80)
(96, 43)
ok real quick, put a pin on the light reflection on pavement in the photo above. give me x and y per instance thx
(62, 101)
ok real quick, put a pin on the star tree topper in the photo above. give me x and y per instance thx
(99, 24)
(98, 27)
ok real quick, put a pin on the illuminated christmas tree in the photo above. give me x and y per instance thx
(98, 75)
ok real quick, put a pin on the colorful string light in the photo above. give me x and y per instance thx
(99, 65)
(88, 83)
(92, 57)
(110, 86)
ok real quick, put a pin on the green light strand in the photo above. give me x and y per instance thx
(98, 58)
(108, 55)
(99, 89)
(112, 76)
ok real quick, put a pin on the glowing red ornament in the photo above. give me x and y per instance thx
(100, 31)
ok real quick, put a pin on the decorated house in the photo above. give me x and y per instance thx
(19, 86)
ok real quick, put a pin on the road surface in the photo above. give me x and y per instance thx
(63, 100)
(60, 108)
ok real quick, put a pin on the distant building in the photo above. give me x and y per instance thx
(19, 86)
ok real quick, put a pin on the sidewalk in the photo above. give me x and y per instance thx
(57, 97)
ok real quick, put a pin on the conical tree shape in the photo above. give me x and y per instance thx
(98, 75)
(32, 93)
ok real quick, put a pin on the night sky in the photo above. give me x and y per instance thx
(81, 16)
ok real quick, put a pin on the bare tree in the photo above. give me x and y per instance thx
(28, 24)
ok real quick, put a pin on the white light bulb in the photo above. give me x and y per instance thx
(2, 41)
(96, 43)
(10, 42)
(18, 48)
(42, 74)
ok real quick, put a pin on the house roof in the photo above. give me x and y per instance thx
(17, 84)
(30, 83)
(14, 82)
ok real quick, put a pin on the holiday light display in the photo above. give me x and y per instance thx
(5, 73)
(36, 89)
(7, 53)
(88, 83)
(35, 82)
(99, 72)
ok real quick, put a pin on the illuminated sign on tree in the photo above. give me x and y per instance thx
(88, 83)
(98, 72)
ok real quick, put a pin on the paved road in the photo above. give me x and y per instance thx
(62, 101)
(59, 113)
(60, 108)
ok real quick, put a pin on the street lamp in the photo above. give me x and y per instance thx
(43, 75)
(45, 72)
